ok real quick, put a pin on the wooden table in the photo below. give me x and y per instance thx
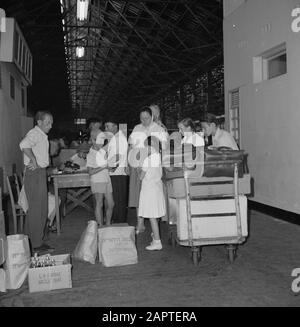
(80, 181)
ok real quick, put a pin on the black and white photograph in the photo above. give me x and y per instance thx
(149, 157)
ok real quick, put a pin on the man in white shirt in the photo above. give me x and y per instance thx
(35, 147)
(117, 162)
(220, 137)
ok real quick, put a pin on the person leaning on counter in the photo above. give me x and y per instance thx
(220, 137)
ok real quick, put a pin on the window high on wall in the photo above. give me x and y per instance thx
(270, 64)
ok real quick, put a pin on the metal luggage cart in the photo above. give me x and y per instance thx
(216, 193)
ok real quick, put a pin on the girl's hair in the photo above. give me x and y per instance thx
(210, 118)
(188, 122)
(146, 109)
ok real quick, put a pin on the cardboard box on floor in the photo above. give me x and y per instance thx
(53, 277)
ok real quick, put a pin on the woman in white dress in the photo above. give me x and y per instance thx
(152, 202)
(136, 143)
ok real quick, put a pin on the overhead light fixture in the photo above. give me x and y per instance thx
(80, 52)
(62, 6)
(82, 9)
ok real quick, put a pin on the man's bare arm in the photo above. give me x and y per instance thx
(33, 163)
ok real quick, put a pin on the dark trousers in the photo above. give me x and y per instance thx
(120, 195)
(37, 196)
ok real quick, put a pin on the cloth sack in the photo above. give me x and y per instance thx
(2, 281)
(116, 245)
(22, 201)
(17, 260)
(86, 248)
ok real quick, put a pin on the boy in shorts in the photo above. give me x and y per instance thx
(100, 180)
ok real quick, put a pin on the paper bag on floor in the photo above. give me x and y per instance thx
(86, 249)
(17, 260)
(2, 281)
(116, 246)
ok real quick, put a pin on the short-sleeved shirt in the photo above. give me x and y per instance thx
(140, 134)
(97, 159)
(37, 141)
(223, 138)
(118, 146)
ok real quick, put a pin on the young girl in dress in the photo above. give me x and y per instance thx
(152, 202)
(100, 180)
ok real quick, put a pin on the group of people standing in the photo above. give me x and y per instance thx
(109, 161)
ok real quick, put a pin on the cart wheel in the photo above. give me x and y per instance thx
(196, 256)
(173, 241)
(231, 254)
(170, 239)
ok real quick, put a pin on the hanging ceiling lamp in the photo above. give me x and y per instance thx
(79, 52)
(82, 9)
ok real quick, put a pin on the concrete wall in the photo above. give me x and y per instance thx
(13, 125)
(270, 110)
(230, 6)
